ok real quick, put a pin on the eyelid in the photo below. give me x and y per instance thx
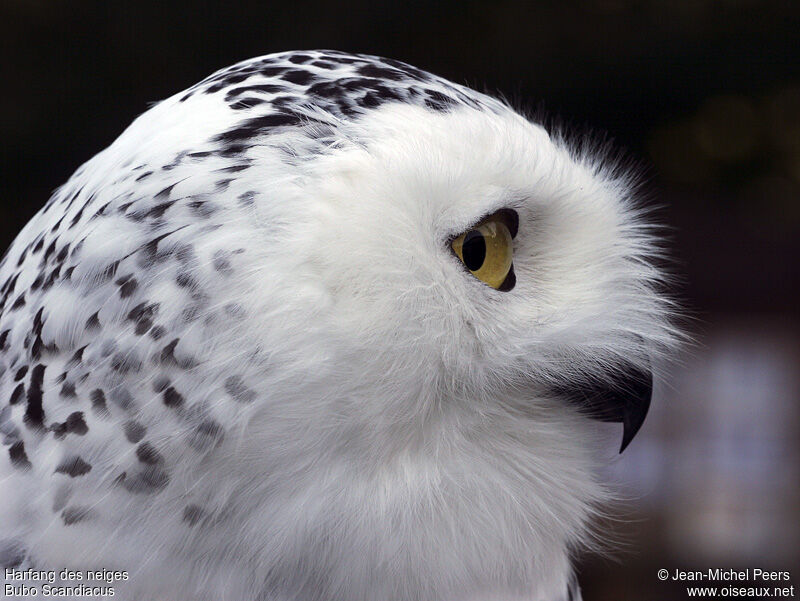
(508, 216)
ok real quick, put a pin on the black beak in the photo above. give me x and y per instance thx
(623, 396)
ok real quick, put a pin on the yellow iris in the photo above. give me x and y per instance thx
(487, 250)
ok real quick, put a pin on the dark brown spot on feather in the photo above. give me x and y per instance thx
(19, 458)
(73, 467)
(192, 514)
(72, 515)
(34, 413)
(134, 431)
(172, 398)
(148, 454)
(74, 424)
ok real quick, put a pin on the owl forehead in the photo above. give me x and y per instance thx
(444, 171)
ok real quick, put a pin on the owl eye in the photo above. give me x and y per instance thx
(487, 249)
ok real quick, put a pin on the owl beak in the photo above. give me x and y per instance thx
(622, 397)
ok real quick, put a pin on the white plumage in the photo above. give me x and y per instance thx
(240, 359)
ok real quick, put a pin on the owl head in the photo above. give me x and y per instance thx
(464, 295)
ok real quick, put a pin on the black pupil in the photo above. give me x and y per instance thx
(473, 250)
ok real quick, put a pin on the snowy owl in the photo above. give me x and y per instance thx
(322, 327)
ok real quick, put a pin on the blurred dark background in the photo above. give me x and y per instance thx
(703, 95)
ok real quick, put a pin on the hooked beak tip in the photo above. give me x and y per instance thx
(623, 396)
(632, 421)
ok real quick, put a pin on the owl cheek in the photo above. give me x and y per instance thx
(621, 396)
